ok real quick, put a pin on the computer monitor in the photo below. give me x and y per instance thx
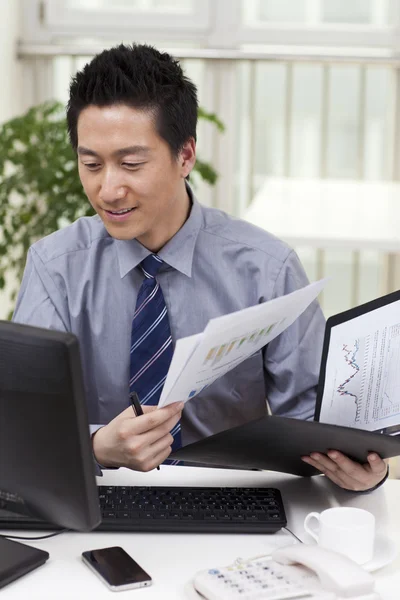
(46, 459)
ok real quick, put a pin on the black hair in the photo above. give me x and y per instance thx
(141, 77)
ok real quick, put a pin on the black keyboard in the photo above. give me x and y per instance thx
(179, 509)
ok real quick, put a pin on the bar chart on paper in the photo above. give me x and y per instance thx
(245, 342)
(228, 340)
(224, 356)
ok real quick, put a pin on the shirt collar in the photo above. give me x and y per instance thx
(177, 252)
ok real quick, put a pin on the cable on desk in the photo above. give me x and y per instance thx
(241, 560)
(40, 537)
(294, 535)
(49, 535)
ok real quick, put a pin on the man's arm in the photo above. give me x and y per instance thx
(292, 363)
(292, 360)
(35, 306)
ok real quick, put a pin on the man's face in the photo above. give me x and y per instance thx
(124, 165)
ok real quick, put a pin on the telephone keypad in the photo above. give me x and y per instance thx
(262, 579)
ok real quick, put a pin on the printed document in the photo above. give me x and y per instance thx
(226, 341)
(362, 380)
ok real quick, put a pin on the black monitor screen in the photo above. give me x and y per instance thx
(46, 461)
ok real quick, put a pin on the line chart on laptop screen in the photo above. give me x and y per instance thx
(362, 382)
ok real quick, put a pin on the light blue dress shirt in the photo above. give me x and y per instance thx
(82, 280)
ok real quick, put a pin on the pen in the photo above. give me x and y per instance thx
(135, 403)
(137, 408)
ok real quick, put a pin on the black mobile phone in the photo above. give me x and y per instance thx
(116, 568)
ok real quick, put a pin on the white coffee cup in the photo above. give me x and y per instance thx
(349, 531)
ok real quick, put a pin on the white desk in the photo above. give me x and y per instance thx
(171, 559)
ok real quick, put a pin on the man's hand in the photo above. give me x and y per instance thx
(346, 473)
(139, 443)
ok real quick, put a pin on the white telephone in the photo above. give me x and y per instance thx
(296, 571)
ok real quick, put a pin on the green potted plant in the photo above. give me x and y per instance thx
(40, 190)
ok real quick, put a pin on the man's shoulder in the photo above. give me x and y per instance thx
(235, 230)
(77, 237)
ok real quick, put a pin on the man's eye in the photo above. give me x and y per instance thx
(92, 166)
(132, 166)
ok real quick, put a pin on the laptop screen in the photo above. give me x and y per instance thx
(359, 382)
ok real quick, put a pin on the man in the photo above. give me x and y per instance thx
(154, 266)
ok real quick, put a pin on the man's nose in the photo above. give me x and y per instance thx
(111, 188)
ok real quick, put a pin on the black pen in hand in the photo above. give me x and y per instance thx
(135, 403)
(137, 408)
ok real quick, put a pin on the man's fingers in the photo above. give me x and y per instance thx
(158, 417)
(337, 476)
(139, 443)
(336, 462)
(129, 413)
(159, 458)
(324, 462)
(149, 408)
(166, 417)
(349, 467)
(155, 460)
(366, 474)
(144, 453)
(157, 432)
(151, 418)
(347, 473)
(344, 482)
(377, 464)
(161, 445)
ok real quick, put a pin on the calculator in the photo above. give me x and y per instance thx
(261, 579)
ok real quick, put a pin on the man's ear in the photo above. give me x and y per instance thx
(187, 157)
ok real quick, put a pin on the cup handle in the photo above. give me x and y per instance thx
(312, 532)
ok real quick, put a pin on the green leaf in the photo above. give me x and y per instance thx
(212, 117)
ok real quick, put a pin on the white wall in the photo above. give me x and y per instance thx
(10, 71)
(10, 81)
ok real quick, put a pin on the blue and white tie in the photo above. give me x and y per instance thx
(151, 342)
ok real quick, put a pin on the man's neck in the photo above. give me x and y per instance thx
(177, 220)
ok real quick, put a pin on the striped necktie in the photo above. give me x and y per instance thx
(151, 343)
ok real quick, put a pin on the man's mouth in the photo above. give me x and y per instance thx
(119, 212)
(120, 215)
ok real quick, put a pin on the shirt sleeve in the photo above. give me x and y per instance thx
(34, 305)
(292, 360)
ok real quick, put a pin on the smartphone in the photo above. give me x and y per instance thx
(116, 568)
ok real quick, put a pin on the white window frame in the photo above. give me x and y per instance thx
(44, 20)
(214, 24)
(318, 34)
